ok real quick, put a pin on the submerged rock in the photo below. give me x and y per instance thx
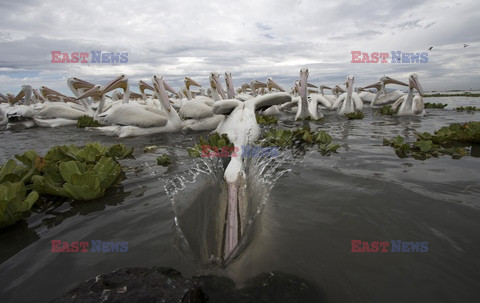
(160, 284)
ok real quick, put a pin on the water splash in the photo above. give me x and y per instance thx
(199, 200)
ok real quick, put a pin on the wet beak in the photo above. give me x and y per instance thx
(417, 86)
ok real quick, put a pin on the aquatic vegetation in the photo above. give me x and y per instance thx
(14, 202)
(299, 138)
(66, 171)
(435, 105)
(213, 141)
(443, 142)
(87, 121)
(466, 108)
(164, 160)
(266, 119)
(355, 115)
(150, 149)
(388, 110)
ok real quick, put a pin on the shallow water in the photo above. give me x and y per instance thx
(308, 208)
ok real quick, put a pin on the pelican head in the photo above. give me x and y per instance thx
(414, 83)
(95, 91)
(272, 84)
(26, 92)
(189, 81)
(216, 85)
(387, 80)
(159, 86)
(349, 85)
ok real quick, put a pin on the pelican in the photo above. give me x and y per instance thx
(306, 109)
(21, 115)
(366, 96)
(55, 114)
(242, 129)
(387, 98)
(411, 105)
(348, 102)
(326, 101)
(133, 119)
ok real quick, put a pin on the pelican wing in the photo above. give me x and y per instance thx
(195, 110)
(357, 101)
(270, 99)
(225, 107)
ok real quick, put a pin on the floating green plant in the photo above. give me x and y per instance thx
(435, 105)
(354, 115)
(164, 160)
(266, 119)
(466, 108)
(87, 121)
(14, 202)
(388, 110)
(444, 141)
(213, 141)
(299, 138)
(69, 171)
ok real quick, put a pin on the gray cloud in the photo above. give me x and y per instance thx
(251, 39)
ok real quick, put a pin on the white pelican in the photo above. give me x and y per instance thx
(348, 102)
(306, 109)
(21, 115)
(55, 114)
(242, 129)
(133, 119)
(386, 98)
(242, 94)
(411, 105)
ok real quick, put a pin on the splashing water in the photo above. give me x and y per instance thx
(199, 200)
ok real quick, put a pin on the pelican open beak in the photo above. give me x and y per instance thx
(272, 84)
(159, 88)
(413, 79)
(388, 80)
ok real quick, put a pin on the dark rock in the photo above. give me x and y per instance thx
(160, 284)
(157, 284)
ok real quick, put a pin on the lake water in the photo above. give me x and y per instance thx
(305, 212)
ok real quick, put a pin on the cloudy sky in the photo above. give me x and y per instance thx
(252, 39)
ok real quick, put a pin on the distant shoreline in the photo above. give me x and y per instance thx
(465, 94)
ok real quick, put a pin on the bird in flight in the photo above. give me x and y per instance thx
(465, 45)
(430, 48)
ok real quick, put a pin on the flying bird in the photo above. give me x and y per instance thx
(465, 45)
(430, 48)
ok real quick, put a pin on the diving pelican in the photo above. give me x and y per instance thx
(242, 129)
(411, 105)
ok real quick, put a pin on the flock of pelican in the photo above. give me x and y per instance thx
(231, 112)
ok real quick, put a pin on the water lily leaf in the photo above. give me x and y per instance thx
(82, 192)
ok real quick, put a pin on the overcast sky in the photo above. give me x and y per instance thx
(252, 39)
